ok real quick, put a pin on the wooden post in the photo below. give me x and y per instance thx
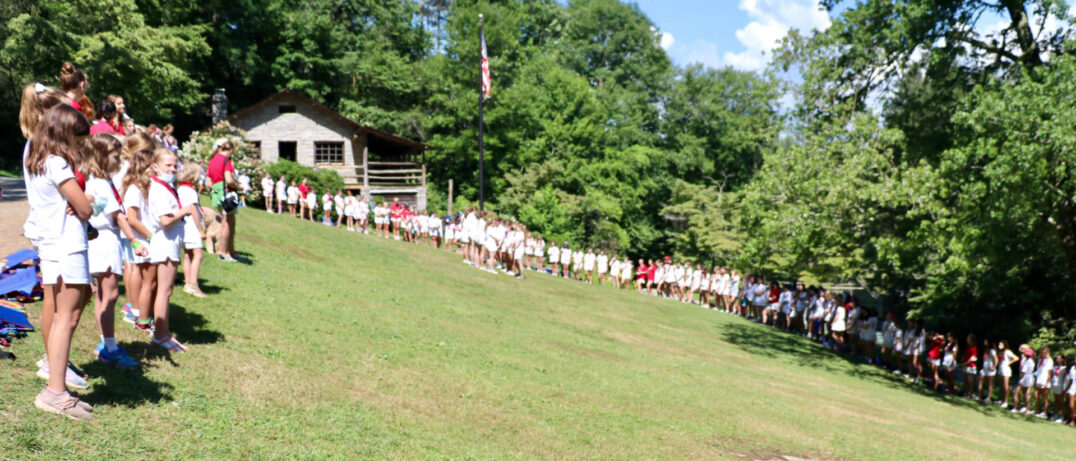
(450, 197)
(366, 164)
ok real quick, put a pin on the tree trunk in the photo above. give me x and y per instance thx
(1029, 48)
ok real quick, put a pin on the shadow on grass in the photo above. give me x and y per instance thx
(191, 327)
(129, 388)
(773, 343)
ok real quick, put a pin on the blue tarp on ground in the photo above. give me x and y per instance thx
(16, 318)
(16, 258)
(22, 281)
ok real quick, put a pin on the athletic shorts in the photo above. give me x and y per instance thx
(104, 253)
(73, 268)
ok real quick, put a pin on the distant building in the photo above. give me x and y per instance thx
(291, 126)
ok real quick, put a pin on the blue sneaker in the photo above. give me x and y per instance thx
(118, 358)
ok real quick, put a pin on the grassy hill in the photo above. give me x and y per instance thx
(332, 344)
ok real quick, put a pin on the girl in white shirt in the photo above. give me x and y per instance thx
(53, 186)
(554, 259)
(267, 192)
(349, 211)
(193, 230)
(101, 155)
(539, 251)
(625, 272)
(281, 194)
(889, 338)
(293, 200)
(166, 214)
(1044, 371)
(312, 203)
(589, 259)
(1027, 380)
(1006, 359)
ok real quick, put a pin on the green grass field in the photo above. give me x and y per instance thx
(338, 345)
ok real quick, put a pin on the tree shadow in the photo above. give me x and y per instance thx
(773, 343)
(125, 387)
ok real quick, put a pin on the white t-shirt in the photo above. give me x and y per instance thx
(102, 189)
(588, 261)
(161, 202)
(133, 198)
(57, 233)
(554, 253)
(293, 194)
(244, 183)
(188, 195)
(603, 263)
(267, 185)
(281, 189)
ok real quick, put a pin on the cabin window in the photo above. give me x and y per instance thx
(329, 153)
(286, 109)
(286, 150)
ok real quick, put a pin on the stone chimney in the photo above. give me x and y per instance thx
(220, 106)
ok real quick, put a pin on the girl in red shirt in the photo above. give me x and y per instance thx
(970, 362)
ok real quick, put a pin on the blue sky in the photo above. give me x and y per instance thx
(738, 33)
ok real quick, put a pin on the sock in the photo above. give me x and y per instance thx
(110, 344)
(54, 393)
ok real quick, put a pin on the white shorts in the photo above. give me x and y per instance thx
(349, 211)
(1072, 389)
(565, 260)
(192, 239)
(1027, 380)
(538, 253)
(1041, 383)
(464, 238)
(987, 374)
(529, 251)
(589, 268)
(971, 371)
(1006, 371)
(518, 254)
(74, 269)
(267, 194)
(935, 362)
(293, 201)
(162, 249)
(491, 245)
(104, 253)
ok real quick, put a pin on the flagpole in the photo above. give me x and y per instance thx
(481, 146)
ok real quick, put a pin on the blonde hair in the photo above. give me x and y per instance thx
(138, 173)
(190, 173)
(36, 99)
(95, 152)
(139, 141)
(160, 153)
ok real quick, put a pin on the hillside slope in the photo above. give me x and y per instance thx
(333, 344)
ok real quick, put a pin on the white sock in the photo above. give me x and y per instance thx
(110, 344)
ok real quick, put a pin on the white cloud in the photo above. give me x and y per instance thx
(770, 22)
(667, 40)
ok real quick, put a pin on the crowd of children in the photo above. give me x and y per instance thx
(980, 370)
(105, 203)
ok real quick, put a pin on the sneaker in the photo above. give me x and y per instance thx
(130, 314)
(148, 326)
(63, 404)
(1041, 415)
(1004, 404)
(118, 358)
(72, 379)
(226, 258)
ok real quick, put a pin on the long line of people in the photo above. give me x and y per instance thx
(104, 204)
(979, 370)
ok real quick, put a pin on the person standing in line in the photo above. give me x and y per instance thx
(59, 209)
(281, 194)
(222, 176)
(267, 192)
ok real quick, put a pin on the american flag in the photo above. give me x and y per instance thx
(485, 66)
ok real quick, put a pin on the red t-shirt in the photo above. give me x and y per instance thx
(969, 353)
(303, 190)
(217, 166)
(102, 127)
(650, 272)
(775, 295)
(935, 350)
(395, 209)
(641, 272)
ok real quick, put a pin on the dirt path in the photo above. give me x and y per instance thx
(13, 210)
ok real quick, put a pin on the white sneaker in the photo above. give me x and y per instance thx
(1004, 404)
(70, 378)
(1041, 415)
